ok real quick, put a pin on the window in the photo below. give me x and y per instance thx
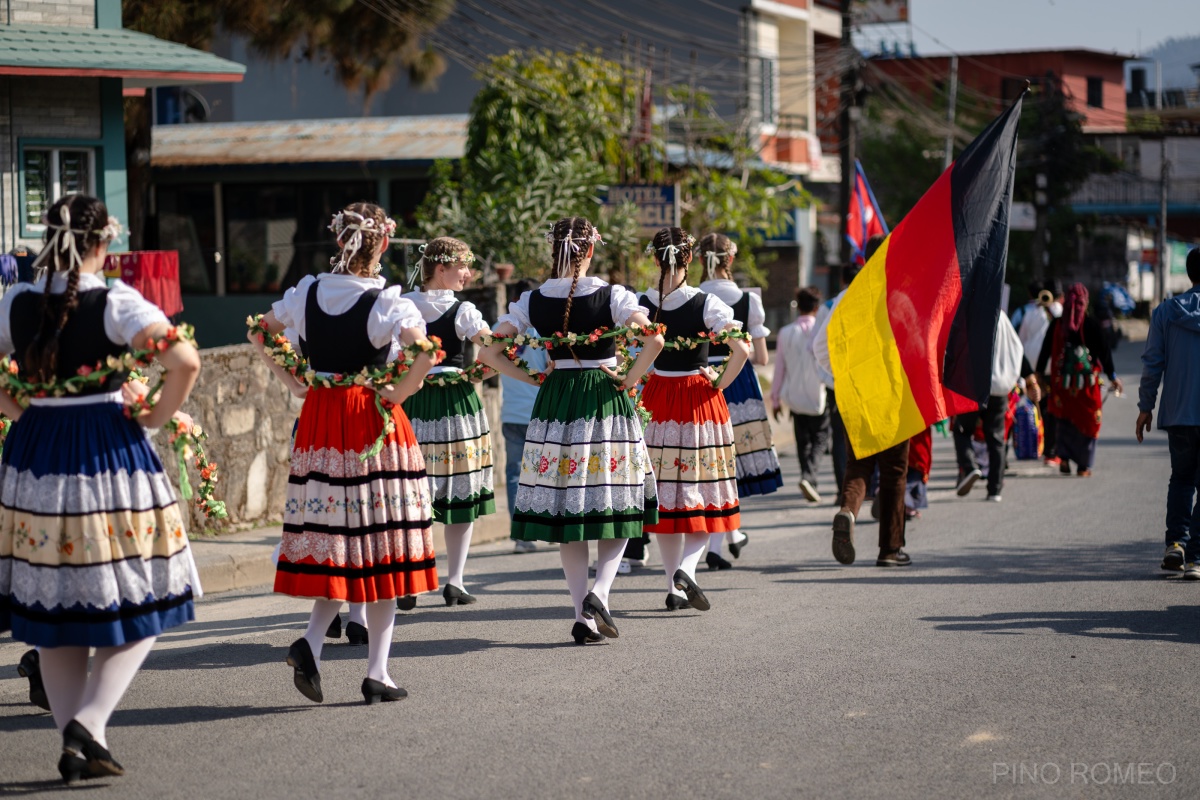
(1095, 97)
(51, 173)
(767, 69)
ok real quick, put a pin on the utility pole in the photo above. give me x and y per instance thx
(951, 107)
(1160, 289)
(847, 125)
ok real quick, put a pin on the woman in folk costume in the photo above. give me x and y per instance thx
(88, 521)
(757, 462)
(585, 473)
(448, 418)
(690, 437)
(1076, 354)
(357, 526)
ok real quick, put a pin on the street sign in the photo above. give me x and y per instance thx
(658, 206)
(871, 12)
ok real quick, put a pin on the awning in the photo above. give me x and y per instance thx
(141, 60)
(370, 139)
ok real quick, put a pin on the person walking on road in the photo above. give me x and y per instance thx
(1172, 357)
(798, 386)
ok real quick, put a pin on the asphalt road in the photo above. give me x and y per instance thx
(1033, 650)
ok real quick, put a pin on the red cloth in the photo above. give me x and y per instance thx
(154, 273)
(920, 452)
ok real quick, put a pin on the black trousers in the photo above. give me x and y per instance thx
(837, 440)
(812, 436)
(992, 416)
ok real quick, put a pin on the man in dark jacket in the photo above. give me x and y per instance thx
(1172, 356)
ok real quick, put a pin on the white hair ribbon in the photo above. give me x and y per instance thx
(62, 240)
(712, 260)
(356, 223)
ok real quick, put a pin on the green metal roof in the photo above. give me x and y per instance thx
(140, 59)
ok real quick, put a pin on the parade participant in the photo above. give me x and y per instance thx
(757, 462)
(920, 463)
(356, 524)
(799, 386)
(90, 522)
(690, 436)
(1076, 354)
(585, 474)
(446, 416)
(837, 430)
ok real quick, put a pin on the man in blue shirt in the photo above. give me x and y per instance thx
(516, 409)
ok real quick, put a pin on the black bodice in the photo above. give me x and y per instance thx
(688, 321)
(587, 314)
(443, 328)
(82, 343)
(339, 342)
(741, 312)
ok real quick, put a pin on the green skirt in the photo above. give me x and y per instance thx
(455, 439)
(585, 473)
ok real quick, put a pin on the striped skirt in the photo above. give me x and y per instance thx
(355, 530)
(585, 473)
(757, 462)
(92, 547)
(690, 440)
(455, 439)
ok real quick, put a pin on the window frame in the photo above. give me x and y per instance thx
(1095, 82)
(93, 149)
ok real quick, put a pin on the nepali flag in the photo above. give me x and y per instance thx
(911, 341)
(864, 219)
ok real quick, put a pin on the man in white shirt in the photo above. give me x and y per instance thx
(798, 385)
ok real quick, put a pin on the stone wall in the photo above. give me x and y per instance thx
(75, 13)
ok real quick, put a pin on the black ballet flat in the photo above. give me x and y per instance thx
(374, 691)
(30, 667)
(594, 610)
(406, 603)
(689, 587)
(306, 677)
(334, 631)
(735, 548)
(78, 743)
(677, 603)
(582, 634)
(456, 596)
(357, 634)
(714, 561)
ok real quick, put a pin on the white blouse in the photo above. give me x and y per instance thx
(717, 313)
(336, 293)
(730, 292)
(126, 314)
(468, 321)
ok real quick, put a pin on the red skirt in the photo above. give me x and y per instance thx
(355, 530)
(690, 442)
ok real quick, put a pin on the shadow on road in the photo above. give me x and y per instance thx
(1172, 624)
(138, 717)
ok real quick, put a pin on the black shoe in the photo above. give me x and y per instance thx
(306, 678)
(677, 603)
(78, 743)
(896, 558)
(594, 610)
(334, 631)
(714, 561)
(582, 634)
(375, 691)
(695, 597)
(30, 666)
(843, 537)
(735, 548)
(455, 596)
(357, 634)
(406, 603)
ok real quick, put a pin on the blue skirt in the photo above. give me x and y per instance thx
(757, 463)
(93, 551)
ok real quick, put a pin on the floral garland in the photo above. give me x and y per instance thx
(187, 444)
(473, 373)
(284, 354)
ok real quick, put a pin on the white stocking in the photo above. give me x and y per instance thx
(574, 557)
(381, 619)
(458, 542)
(358, 614)
(694, 545)
(670, 545)
(318, 622)
(735, 536)
(608, 560)
(715, 540)
(113, 669)
(64, 671)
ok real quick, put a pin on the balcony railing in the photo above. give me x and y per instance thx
(1121, 190)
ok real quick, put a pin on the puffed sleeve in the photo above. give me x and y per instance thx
(623, 304)
(128, 313)
(468, 322)
(518, 313)
(289, 310)
(390, 315)
(718, 314)
(6, 341)
(757, 324)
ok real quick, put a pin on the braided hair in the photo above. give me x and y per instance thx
(718, 251)
(570, 239)
(74, 225)
(672, 249)
(359, 228)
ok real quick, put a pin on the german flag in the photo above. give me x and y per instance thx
(911, 341)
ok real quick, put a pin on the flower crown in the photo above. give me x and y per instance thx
(447, 258)
(688, 240)
(572, 244)
(712, 258)
(354, 223)
(62, 239)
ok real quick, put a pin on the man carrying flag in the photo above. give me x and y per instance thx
(864, 220)
(910, 342)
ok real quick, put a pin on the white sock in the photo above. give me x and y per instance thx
(694, 545)
(670, 545)
(113, 669)
(381, 619)
(608, 560)
(318, 622)
(64, 671)
(358, 614)
(574, 556)
(735, 536)
(715, 540)
(458, 542)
